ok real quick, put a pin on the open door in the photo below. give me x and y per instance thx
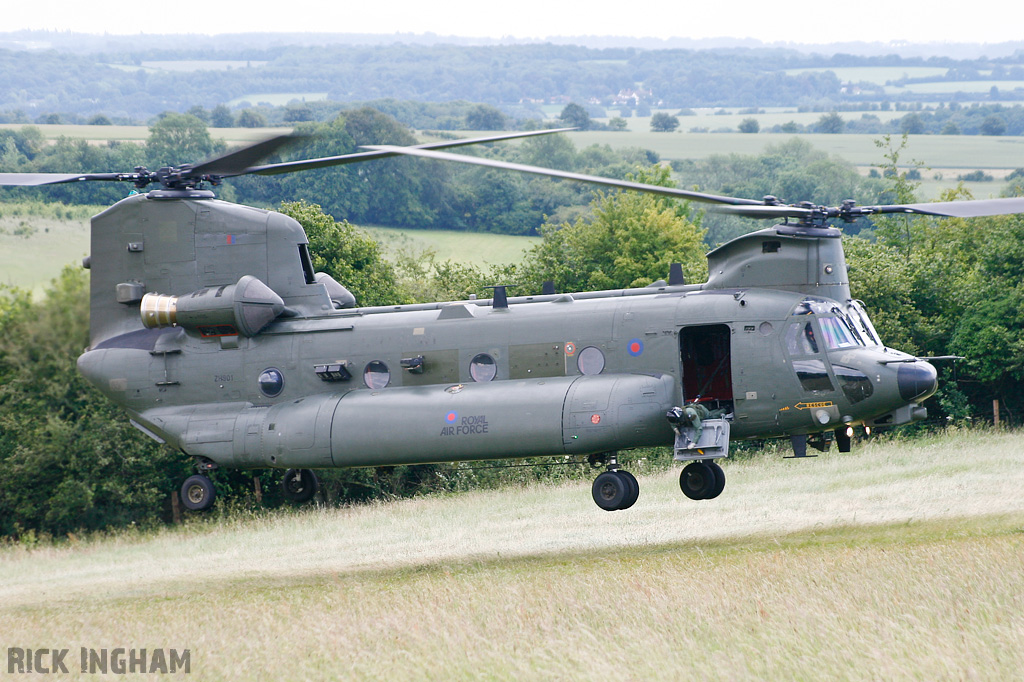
(706, 355)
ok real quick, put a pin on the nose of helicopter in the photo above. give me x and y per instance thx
(916, 381)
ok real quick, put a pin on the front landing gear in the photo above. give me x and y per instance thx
(197, 493)
(299, 485)
(615, 489)
(702, 480)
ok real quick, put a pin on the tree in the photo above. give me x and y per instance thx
(221, 117)
(575, 116)
(617, 123)
(347, 254)
(831, 123)
(911, 124)
(662, 122)
(485, 117)
(199, 112)
(298, 114)
(177, 139)
(993, 125)
(629, 240)
(69, 458)
(749, 125)
(250, 118)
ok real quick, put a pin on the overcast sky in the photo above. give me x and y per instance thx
(802, 21)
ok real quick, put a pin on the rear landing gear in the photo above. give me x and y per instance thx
(702, 480)
(299, 485)
(615, 489)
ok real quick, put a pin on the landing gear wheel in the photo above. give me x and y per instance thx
(719, 481)
(610, 490)
(634, 489)
(197, 493)
(299, 485)
(697, 480)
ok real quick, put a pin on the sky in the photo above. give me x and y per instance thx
(799, 21)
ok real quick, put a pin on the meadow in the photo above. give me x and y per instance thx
(899, 561)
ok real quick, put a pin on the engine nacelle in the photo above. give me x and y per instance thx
(243, 308)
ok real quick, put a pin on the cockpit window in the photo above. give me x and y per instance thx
(813, 375)
(800, 339)
(837, 333)
(855, 384)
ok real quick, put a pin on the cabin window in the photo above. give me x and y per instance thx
(590, 360)
(483, 368)
(813, 375)
(376, 375)
(271, 382)
(855, 384)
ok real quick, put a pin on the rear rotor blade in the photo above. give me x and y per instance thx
(565, 175)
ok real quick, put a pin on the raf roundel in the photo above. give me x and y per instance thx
(635, 347)
(452, 417)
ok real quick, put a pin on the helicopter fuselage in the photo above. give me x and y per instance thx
(211, 330)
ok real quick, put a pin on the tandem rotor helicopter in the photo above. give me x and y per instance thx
(210, 328)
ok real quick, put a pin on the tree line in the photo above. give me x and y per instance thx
(397, 192)
(39, 84)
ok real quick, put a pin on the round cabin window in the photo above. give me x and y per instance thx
(483, 368)
(376, 375)
(271, 382)
(590, 360)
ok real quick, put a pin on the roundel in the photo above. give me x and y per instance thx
(635, 347)
(452, 417)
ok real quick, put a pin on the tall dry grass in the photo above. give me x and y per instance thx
(898, 561)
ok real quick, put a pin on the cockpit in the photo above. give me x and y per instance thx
(819, 328)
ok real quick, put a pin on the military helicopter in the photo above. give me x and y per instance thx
(209, 327)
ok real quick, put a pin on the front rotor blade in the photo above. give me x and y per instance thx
(37, 179)
(327, 161)
(773, 212)
(566, 175)
(972, 208)
(236, 162)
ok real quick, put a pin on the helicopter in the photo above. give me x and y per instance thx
(210, 328)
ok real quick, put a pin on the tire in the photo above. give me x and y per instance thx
(634, 489)
(610, 490)
(697, 480)
(197, 493)
(719, 481)
(299, 485)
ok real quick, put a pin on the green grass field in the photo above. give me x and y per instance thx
(34, 248)
(899, 561)
(875, 74)
(475, 248)
(938, 151)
